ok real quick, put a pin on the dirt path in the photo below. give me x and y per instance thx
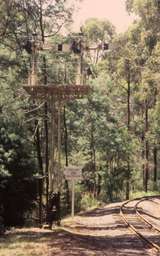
(100, 232)
(103, 232)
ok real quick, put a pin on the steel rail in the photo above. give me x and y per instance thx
(142, 217)
(140, 235)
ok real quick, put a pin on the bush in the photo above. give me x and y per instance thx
(18, 188)
(88, 201)
(17, 198)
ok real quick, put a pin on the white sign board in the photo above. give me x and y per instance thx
(73, 173)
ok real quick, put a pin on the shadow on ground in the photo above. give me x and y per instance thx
(63, 243)
(100, 212)
(99, 246)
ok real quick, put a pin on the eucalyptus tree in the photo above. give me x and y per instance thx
(122, 68)
(98, 36)
(148, 12)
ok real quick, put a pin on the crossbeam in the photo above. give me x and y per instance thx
(59, 92)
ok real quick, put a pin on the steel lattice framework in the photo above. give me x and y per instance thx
(60, 93)
(55, 96)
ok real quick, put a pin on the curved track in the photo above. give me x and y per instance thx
(135, 220)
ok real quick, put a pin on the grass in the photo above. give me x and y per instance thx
(142, 193)
(40, 242)
(25, 242)
(89, 202)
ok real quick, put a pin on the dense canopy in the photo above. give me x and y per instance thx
(113, 132)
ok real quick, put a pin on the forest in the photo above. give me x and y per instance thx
(113, 132)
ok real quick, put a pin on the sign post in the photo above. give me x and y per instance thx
(73, 173)
(73, 196)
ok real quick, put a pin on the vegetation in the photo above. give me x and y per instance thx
(113, 132)
(24, 242)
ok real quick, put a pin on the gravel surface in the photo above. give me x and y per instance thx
(99, 232)
(104, 232)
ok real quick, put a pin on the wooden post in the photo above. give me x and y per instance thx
(33, 76)
(73, 197)
(59, 133)
(59, 146)
(65, 135)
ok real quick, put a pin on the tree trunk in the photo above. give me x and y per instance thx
(66, 156)
(46, 153)
(146, 167)
(45, 108)
(93, 158)
(65, 136)
(155, 164)
(155, 151)
(143, 155)
(128, 181)
(128, 126)
(40, 163)
(99, 184)
(46, 128)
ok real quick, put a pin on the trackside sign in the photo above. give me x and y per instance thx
(73, 173)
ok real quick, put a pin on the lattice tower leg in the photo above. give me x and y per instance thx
(32, 79)
(59, 145)
(79, 77)
(52, 146)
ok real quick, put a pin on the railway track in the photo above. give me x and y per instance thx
(133, 216)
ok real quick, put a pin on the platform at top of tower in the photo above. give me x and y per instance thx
(59, 92)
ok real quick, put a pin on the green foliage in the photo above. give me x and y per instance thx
(113, 133)
(18, 189)
(18, 154)
(14, 150)
(98, 30)
(108, 144)
(140, 194)
(88, 201)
